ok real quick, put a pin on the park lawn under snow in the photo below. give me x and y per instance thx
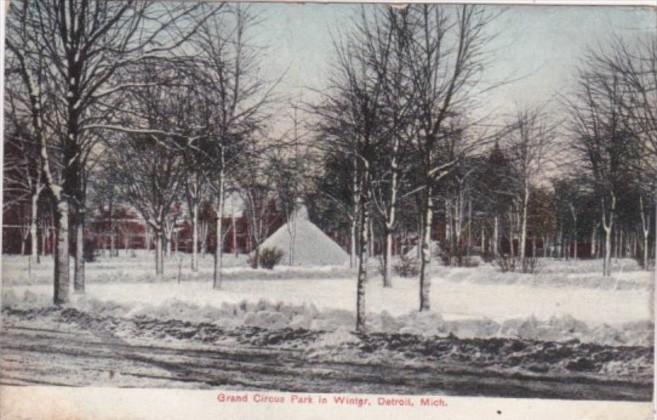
(572, 288)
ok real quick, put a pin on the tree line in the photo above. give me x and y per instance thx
(147, 104)
(403, 145)
(163, 107)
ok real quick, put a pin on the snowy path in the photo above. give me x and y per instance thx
(57, 355)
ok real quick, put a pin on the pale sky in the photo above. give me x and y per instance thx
(541, 45)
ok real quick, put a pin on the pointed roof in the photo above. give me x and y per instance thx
(306, 243)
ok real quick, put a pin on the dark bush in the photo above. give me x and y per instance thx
(509, 264)
(269, 257)
(472, 261)
(506, 263)
(407, 267)
(530, 265)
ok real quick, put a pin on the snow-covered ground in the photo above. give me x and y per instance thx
(561, 290)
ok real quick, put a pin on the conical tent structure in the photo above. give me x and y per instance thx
(304, 244)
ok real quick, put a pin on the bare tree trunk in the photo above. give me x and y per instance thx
(34, 240)
(387, 258)
(195, 235)
(147, 238)
(126, 242)
(161, 256)
(78, 278)
(391, 215)
(111, 227)
(594, 235)
(169, 237)
(606, 265)
(425, 260)
(496, 236)
(80, 216)
(352, 254)
(62, 279)
(523, 225)
(234, 228)
(654, 245)
(645, 228)
(448, 223)
(645, 250)
(362, 267)
(469, 246)
(158, 255)
(45, 232)
(607, 225)
(203, 236)
(370, 239)
(512, 251)
(24, 237)
(218, 252)
(112, 244)
(355, 216)
(418, 245)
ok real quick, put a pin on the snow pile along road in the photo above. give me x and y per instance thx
(487, 274)
(266, 315)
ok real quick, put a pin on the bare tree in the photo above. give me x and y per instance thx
(259, 196)
(387, 42)
(635, 63)
(233, 103)
(603, 141)
(446, 59)
(22, 170)
(71, 50)
(529, 146)
(352, 115)
(151, 182)
(150, 160)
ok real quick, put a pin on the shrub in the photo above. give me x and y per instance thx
(510, 264)
(269, 257)
(251, 261)
(530, 265)
(472, 261)
(407, 267)
(506, 263)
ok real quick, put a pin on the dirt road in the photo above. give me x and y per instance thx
(34, 354)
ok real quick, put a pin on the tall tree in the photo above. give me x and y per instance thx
(603, 142)
(446, 58)
(530, 140)
(234, 104)
(351, 115)
(635, 63)
(71, 50)
(22, 169)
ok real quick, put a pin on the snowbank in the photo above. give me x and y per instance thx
(267, 315)
(572, 276)
(618, 265)
(128, 270)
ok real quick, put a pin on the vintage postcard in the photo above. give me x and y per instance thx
(270, 210)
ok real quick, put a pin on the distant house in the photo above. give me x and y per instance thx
(126, 229)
